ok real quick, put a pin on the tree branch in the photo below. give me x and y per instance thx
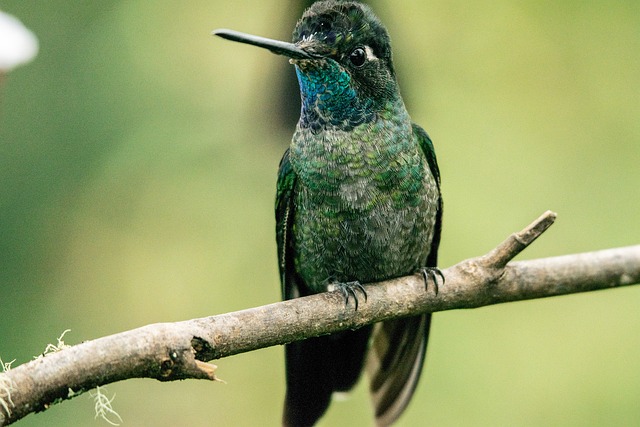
(172, 351)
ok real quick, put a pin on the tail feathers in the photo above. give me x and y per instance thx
(316, 368)
(309, 385)
(394, 364)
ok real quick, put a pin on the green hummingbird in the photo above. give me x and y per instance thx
(358, 201)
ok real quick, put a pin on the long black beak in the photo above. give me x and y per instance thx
(275, 46)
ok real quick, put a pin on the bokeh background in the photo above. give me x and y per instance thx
(138, 158)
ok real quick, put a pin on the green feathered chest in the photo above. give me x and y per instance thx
(365, 203)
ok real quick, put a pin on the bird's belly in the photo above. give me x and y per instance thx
(373, 242)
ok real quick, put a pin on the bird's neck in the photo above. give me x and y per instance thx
(329, 100)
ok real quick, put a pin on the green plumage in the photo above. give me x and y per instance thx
(365, 202)
(357, 201)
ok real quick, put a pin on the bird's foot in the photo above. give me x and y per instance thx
(431, 273)
(348, 290)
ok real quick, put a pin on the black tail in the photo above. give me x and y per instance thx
(316, 368)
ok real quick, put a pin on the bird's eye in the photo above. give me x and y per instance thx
(358, 57)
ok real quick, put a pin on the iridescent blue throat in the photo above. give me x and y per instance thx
(328, 99)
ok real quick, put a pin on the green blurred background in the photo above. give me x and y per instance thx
(138, 162)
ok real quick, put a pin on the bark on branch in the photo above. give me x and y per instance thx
(172, 351)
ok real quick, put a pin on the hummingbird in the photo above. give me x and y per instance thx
(357, 201)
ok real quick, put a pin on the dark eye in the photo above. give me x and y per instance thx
(358, 57)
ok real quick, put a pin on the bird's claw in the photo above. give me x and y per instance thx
(348, 290)
(432, 273)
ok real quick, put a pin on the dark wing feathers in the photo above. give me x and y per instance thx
(427, 148)
(284, 224)
(430, 153)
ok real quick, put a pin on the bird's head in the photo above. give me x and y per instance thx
(342, 55)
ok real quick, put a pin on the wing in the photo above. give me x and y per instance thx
(284, 225)
(399, 346)
(430, 153)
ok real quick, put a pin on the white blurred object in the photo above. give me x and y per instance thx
(18, 45)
